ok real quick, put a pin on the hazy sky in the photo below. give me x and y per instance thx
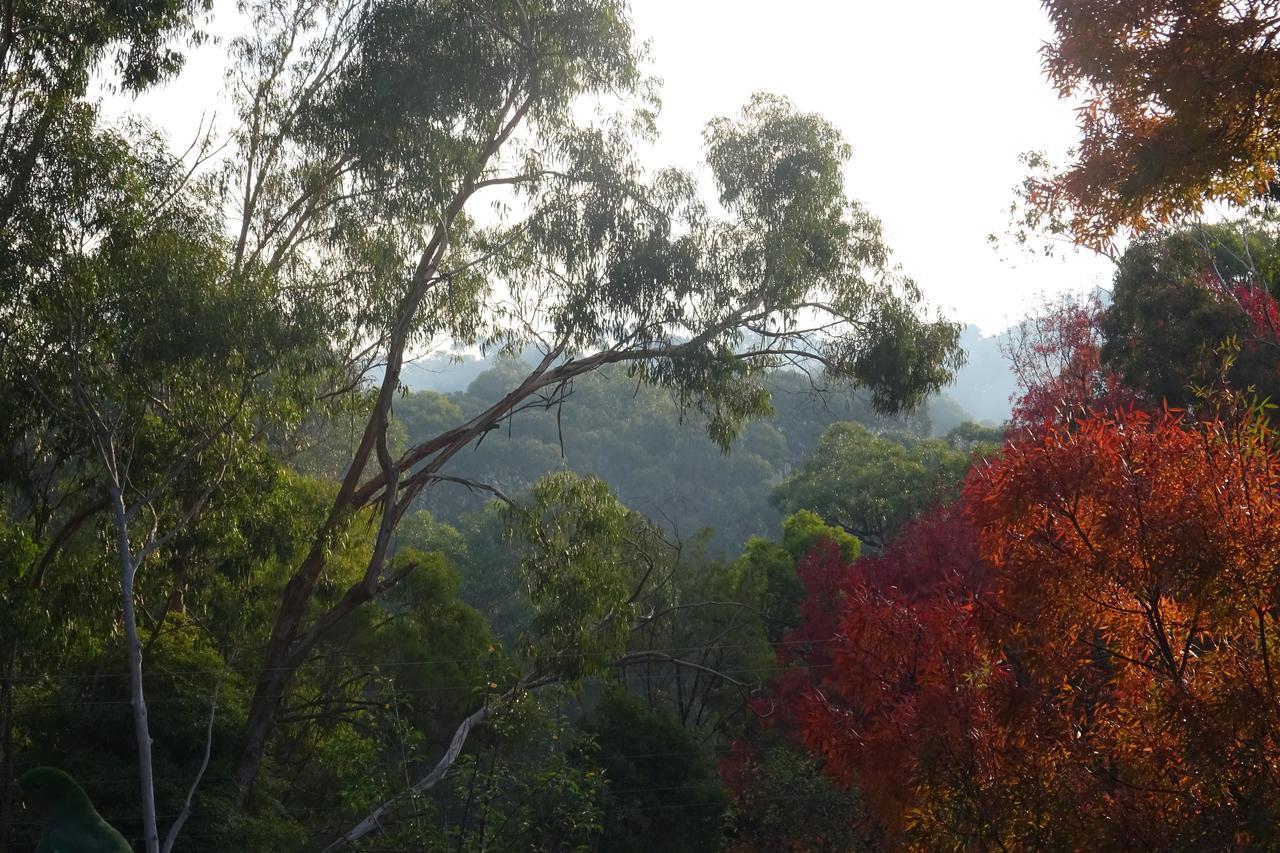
(937, 98)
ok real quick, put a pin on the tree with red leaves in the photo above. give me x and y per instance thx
(892, 676)
(1056, 358)
(1077, 654)
(1135, 561)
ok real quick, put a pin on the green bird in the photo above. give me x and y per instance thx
(71, 824)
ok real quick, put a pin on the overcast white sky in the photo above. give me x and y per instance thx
(937, 98)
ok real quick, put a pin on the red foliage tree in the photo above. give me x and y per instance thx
(1056, 358)
(1136, 563)
(896, 655)
(1077, 655)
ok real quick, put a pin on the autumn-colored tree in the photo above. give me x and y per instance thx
(892, 681)
(899, 683)
(1179, 106)
(1056, 358)
(1077, 655)
(1136, 566)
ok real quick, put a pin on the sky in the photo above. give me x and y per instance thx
(936, 97)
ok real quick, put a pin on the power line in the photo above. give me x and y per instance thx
(391, 662)
(445, 689)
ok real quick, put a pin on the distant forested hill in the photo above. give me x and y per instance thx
(984, 386)
(982, 389)
(634, 438)
(658, 464)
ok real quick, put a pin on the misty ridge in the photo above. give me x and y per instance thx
(679, 477)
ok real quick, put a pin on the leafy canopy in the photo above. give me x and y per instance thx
(869, 484)
(1178, 109)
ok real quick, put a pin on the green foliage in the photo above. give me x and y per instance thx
(188, 341)
(384, 689)
(662, 793)
(765, 574)
(586, 556)
(780, 172)
(54, 46)
(158, 343)
(782, 801)
(804, 529)
(869, 484)
(491, 582)
(971, 437)
(528, 781)
(1177, 297)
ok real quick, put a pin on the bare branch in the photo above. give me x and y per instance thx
(641, 657)
(371, 822)
(185, 813)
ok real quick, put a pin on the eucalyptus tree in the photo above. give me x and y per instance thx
(49, 50)
(104, 253)
(142, 375)
(58, 193)
(399, 174)
(372, 136)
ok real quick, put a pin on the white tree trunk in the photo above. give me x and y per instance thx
(141, 727)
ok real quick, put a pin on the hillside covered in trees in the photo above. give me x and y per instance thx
(656, 459)
(733, 541)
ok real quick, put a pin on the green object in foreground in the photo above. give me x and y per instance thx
(71, 824)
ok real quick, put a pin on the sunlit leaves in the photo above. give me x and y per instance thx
(1178, 108)
(585, 559)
